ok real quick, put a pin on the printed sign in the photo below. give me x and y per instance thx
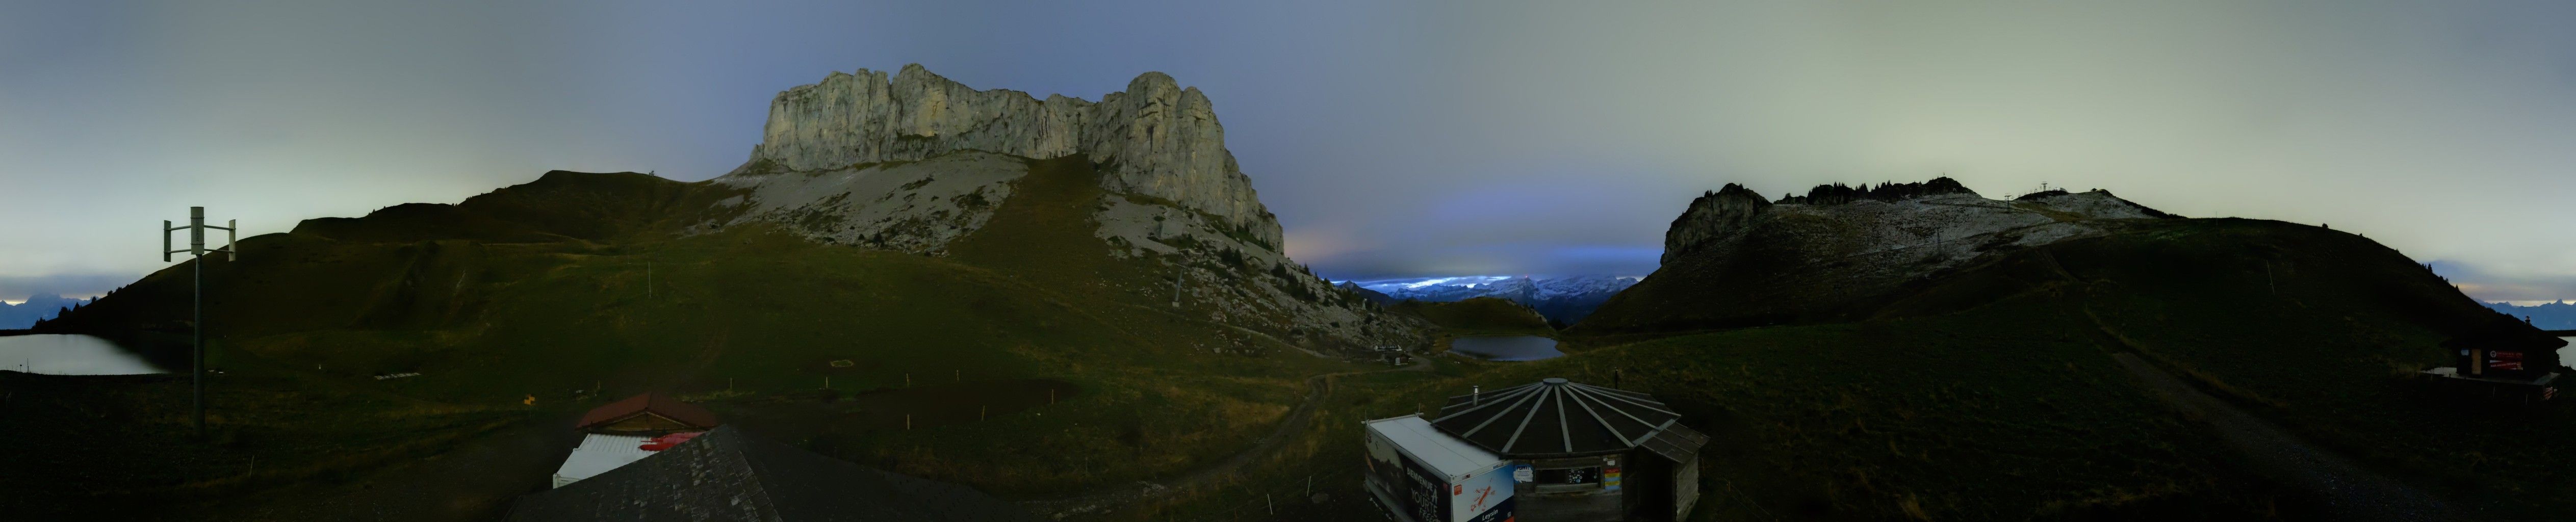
(1425, 498)
(1487, 498)
(1523, 473)
(1610, 479)
(2504, 360)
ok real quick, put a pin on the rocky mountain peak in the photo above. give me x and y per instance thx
(1156, 139)
(1712, 214)
(1938, 221)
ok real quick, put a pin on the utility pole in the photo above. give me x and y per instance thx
(197, 301)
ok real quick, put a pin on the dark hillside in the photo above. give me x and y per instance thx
(2317, 330)
(581, 282)
(2324, 331)
(2009, 411)
(558, 205)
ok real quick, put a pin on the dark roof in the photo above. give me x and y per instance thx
(730, 475)
(1679, 443)
(1558, 418)
(655, 403)
(2504, 332)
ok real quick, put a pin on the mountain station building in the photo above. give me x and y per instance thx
(623, 432)
(1548, 451)
(2504, 359)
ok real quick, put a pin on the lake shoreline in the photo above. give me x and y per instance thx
(75, 354)
(1506, 348)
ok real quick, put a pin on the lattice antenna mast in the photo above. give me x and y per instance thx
(197, 301)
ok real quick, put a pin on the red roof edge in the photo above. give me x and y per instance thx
(655, 403)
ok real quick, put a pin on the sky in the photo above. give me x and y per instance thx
(1393, 139)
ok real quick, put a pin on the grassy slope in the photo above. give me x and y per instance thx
(1988, 394)
(2008, 412)
(1477, 316)
(2315, 329)
(2326, 339)
(757, 312)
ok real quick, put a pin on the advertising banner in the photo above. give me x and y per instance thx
(1485, 497)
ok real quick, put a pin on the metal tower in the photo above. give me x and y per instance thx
(197, 302)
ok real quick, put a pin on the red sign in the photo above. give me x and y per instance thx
(2504, 360)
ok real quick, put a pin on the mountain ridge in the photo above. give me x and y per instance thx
(35, 309)
(1156, 137)
(1820, 256)
(1562, 300)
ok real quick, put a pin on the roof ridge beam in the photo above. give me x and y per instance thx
(1562, 430)
(1497, 416)
(1605, 423)
(1525, 420)
(1482, 405)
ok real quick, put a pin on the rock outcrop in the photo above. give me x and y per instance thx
(1157, 138)
(1834, 251)
(1938, 214)
(1712, 214)
(916, 206)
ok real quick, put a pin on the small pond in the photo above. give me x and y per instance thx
(1506, 347)
(54, 354)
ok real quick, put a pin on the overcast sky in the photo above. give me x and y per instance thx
(1391, 138)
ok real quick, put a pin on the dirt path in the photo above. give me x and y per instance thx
(1318, 388)
(2348, 491)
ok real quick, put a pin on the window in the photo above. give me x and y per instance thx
(1567, 479)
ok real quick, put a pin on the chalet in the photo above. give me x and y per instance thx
(629, 430)
(1549, 451)
(647, 414)
(729, 475)
(2504, 358)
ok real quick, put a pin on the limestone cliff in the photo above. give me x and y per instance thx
(916, 163)
(1157, 138)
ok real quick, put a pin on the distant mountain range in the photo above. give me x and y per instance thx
(1563, 300)
(37, 308)
(2559, 315)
